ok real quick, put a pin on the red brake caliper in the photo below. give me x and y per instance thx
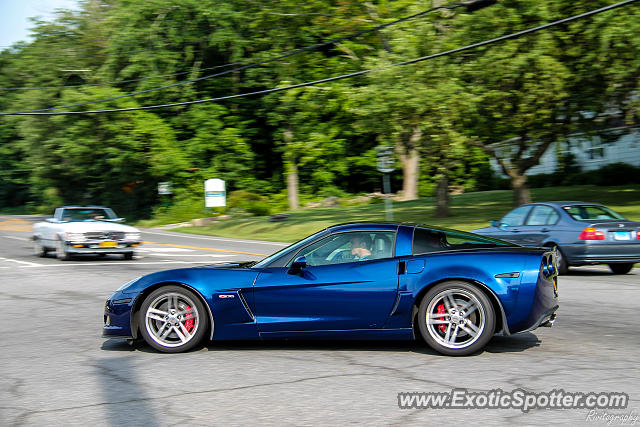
(189, 320)
(441, 311)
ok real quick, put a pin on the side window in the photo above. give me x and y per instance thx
(349, 247)
(516, 217)
(542, 215)
(426, 241)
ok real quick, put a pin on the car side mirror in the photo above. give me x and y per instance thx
(298, 265)
(54, 220)
(495, 223)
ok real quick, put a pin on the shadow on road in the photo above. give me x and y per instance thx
(124, 394)
(513, 344)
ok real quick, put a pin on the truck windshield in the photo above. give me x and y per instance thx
(89, 214)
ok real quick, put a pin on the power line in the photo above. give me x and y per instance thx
(470, 5)
(343, 76)
(121, 81)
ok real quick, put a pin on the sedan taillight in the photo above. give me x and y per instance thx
(638, 235)
(591, 233)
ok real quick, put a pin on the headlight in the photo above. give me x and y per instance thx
(127, 284)
(132, 236)
(75, 237)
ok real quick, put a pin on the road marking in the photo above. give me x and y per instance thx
(30, 264)
(17, 238)
(164, 250)
(204, 249)
(191, 236)
(15, 224)
(188, 255)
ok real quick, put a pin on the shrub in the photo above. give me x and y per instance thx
(252, 203)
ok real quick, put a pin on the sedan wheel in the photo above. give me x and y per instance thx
(563, 267)
(622, 268)
(456, 318)
(39, 250)
(173, 319)
(61, 251)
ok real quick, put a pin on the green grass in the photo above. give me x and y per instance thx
(469, 211)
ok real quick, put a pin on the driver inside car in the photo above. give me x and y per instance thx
(361, 247)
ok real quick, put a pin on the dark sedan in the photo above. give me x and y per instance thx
(584, 233)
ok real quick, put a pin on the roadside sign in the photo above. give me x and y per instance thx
(165, 188)
(214, 193)
(385, 162)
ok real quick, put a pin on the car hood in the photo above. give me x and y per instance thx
(484, 230)
(84, 226)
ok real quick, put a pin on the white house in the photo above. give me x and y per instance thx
(617, 145)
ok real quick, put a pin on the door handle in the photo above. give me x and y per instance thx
(402, 267)
(515, 231)
(544, 230)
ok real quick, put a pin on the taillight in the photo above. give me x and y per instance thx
(638, 235)
(591, 233)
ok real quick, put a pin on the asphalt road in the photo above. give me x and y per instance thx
(55, 369)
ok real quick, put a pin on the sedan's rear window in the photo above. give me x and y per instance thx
(434, 240)
(592, 213)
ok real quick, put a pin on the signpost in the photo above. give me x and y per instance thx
(386, 165)
(165, 188)
(214, 193)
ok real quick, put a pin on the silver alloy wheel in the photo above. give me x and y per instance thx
(61, 252)
(38, 249)
(455, 318)
(172, 320)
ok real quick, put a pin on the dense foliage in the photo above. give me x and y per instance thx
(444, 117)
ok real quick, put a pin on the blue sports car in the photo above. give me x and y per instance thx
(453, 289)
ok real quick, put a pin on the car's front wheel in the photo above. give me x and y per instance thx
(172, 319)
(456, 318)
(61, 251)
(39, 249)
(621, 268)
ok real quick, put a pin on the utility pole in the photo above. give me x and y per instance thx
(386, 165)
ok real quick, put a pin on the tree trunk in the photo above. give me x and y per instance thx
(521, 193)
(291, 171)
(442, 197)
(410, 158)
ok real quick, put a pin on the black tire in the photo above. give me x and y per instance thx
(128, 256)
(61, 252)
(152, 329)
(460, 342)
(621, 268)
(39, 249)
(563, 267)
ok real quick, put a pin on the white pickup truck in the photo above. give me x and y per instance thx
(84, 230)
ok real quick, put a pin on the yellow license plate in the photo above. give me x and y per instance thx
(108, 244)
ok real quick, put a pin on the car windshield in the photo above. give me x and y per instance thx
(273, 257)
(592, 213)
(87, 214)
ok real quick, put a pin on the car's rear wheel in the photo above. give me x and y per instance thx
(128, 255)
(456, 318)
(563, 267)
(61, 251)
(621, 268)
(173, 319)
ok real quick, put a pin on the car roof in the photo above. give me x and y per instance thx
(381, 225)
(83, 207)
(564, 203)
